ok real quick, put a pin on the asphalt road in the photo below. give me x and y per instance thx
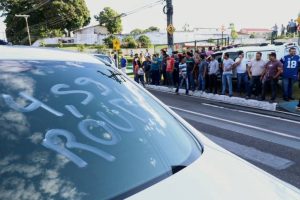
(269, 140)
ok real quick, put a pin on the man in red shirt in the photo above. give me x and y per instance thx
(169, 70)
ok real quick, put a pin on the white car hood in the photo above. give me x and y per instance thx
(220, 175)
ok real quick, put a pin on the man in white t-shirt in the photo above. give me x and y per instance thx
(255, 70)
(227, 65)
(242, 76)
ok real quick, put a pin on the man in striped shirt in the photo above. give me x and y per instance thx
(183, 77)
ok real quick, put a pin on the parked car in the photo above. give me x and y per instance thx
(74, 128)
(106, 59)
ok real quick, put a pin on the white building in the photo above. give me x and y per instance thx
(90, 35)
(188, 36)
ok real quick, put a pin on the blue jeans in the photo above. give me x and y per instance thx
(242, 78)
(255, 82)
(287, 85)
(191, 80)
(227, 79)
(201, 80)
(273, 84)
(182, 80)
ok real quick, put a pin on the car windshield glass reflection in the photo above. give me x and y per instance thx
(72, 130)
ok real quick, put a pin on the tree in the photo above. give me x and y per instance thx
(47, 18)
(109, 41)
(234, 34)
(151, 29)
(129, 42)
(136, 31)
(144, 41)
(110, 19)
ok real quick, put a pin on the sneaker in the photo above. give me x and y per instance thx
(298, 108)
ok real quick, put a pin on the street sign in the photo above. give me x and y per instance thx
(171, 29)
(116, 44)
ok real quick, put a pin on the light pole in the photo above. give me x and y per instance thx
(27, 27)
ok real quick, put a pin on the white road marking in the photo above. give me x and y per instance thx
(237, 123)
(276, 139)
(252, 113)
(253, 154)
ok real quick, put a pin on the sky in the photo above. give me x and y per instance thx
(200, 14)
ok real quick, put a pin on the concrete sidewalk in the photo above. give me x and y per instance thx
(220, 98)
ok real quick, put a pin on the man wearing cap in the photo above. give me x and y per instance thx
(270, 75)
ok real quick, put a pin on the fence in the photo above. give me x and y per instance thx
(184, 46)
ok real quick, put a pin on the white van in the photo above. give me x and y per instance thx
(250, 51)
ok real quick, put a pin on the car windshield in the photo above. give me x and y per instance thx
(72, 130)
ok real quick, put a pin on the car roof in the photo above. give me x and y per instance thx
(262, 48)
(38, 53)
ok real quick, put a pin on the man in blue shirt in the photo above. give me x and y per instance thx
(291, 65)
(123, 64)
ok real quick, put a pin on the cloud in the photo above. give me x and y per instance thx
(16, 83)
(13, 125)
(33, 178)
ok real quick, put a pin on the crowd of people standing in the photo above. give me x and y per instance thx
(200, 70)
(291, 29)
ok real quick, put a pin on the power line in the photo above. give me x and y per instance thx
(147, 6)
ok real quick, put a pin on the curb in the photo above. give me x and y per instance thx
(220, 98)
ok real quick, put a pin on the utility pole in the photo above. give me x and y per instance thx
(27, 27)
(169, 13)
